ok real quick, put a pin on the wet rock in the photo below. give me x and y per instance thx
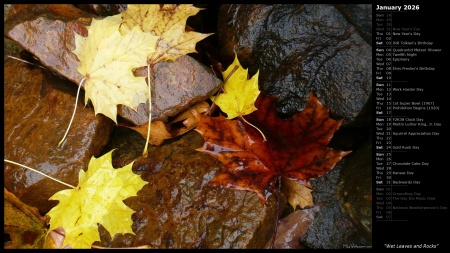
(9, 46)
(355, 189)
(299, 48)
(349, 138)
(176, 86)
(128, 145)
(331, 228)
(240, 27)
(47, 31)
(102, 9)
(37, 109)
(360, 16)
(179, 209)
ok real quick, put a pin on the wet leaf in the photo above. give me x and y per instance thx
(188, 118)
(297, 194)
(25, 227)
(106, 62)
(98, 198)
(168, 23)
(296, 148)
(293, 227)
(240, 93)
(159, 132)
(162, 131)
(57, 237)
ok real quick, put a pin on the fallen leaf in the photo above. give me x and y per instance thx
(57, 236)
(98, 198)
(168, 23)
(25, 227)
(188, 118)
(296, 148)
(293, 227)
(297, 194)
(247, 163)
(106, 62)
(239, 94)
(162, 131)
(159, 132)
(300, 141)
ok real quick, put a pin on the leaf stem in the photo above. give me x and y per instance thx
(231, 73)
(145, 152)
(274, 237)
(209, 112)
(61, 182)
(213, 105)
(73, 114)
(15, 58)
(264, 137)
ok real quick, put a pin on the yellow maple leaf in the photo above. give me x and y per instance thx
(297, 194)
(106, 61)
(240, 93)
(98, 198)
(168, 23)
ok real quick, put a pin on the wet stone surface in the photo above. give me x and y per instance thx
(354, 189)
(299, 48)
(296, 48)
(38, 108)
(47, 31)
(360, 16)
(331, 228)
(175, 87)
(102, 9)
(178, 209)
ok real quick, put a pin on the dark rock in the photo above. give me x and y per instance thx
(355, 189)
(128, 145)
(349, 138)
(102, 9)
(179, 209)
(240, 27)
(299, 48)
(47, 31)
(360, 16)
(37, 108)
(331, 229)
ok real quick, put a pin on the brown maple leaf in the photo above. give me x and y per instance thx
(181, 124)
(296, 148)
